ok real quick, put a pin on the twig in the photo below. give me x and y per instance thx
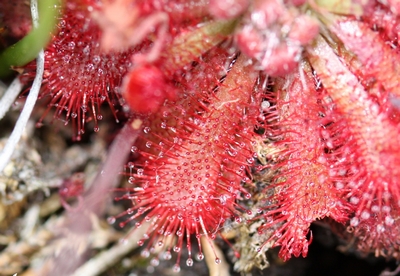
(9, 96)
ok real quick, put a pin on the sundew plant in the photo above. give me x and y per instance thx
(239, 122)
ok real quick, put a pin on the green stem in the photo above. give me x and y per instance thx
(28, 47)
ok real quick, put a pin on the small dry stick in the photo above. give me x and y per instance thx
(106, 259)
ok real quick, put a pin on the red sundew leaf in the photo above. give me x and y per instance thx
(394, 6)
(305, 186)
(379, 61)
(380, 18)
(373, 147)
(195, 88)
(191, 186)
(78, 77)
(384, 98)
